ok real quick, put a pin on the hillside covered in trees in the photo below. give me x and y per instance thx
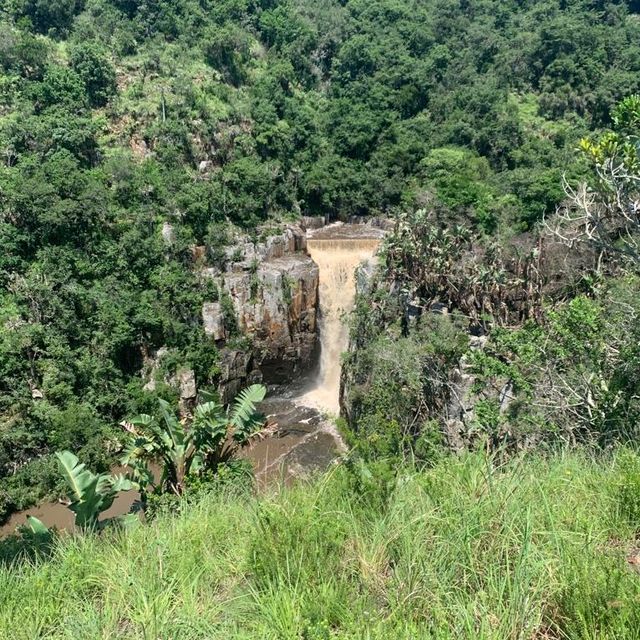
(490, 395)
(120, 119)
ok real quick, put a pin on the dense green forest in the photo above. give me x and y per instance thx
(490, 396)
(117, 117)
(463, 341)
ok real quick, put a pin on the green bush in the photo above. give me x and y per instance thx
(573, 378)
(96, 72)
(399, 385)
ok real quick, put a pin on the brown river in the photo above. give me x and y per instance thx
(306, 440)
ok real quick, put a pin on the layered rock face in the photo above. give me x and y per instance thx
(268, 293)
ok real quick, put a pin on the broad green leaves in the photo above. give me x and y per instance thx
(244, 418)
(202, 441)
(90, 494)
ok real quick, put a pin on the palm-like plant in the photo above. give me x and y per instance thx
(90, 494)
(183, 447)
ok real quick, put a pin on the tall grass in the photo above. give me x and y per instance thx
(532, 549)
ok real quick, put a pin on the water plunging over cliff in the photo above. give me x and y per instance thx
(306, 441)
(338, 251)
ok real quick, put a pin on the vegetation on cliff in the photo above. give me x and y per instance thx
(532, 345)
(118, 118)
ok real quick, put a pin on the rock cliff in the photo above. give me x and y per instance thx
(268, 295)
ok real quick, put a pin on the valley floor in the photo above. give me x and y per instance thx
(532, 548)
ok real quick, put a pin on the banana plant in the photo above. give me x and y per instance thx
(212, 435)
(90, 494)
(36, 527)
(35, 537)
(37, 531)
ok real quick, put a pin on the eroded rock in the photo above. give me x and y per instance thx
(213, 320)
(272, 288)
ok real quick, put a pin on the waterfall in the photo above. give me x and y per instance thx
(338, 258)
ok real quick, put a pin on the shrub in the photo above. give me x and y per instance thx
(95, 70)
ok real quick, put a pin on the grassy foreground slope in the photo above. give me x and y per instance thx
(469, 549)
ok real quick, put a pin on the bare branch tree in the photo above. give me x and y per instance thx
(608, 216)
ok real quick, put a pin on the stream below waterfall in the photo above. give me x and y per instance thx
(306, 440)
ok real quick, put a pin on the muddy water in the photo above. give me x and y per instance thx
(306, 440)
(58, 515)
(338, 251)
(305, 443)
(53, 514)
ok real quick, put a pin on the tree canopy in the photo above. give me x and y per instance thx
(117, 117)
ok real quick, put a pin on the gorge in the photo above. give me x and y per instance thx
(337, 302)
(288, 293)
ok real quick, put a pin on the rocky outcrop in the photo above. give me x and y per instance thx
(459, 417)
(313, 222)
(264, 320)
(365, 285)
(268, 294)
